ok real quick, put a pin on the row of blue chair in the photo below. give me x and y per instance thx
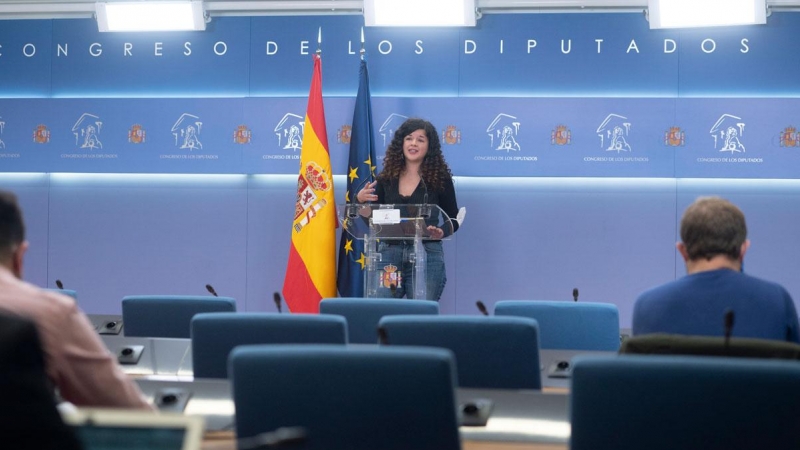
(563, 325)
(490, 352)
(400, 398)
(370, 396)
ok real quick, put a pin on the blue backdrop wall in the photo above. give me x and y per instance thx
(159, 162)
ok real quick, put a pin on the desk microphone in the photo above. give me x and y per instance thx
(59, 284)
(728, 322)
(282, 437)
(426, 211)
(210, 289)
(575, 294)
(393, 288)
(482, 308)
(276, 297)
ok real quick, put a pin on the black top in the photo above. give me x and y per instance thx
(389, 193)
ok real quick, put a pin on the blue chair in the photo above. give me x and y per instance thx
(168, 316)
(214, 335)
(347, 398)
(491, 352)
(363, 314)
(635, 402)
(568, 325)
(67, 292)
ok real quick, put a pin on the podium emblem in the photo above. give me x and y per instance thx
(390, 276)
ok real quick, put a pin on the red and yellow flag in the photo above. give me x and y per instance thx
(311, 271)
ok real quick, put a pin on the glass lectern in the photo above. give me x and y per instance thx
(373, 223)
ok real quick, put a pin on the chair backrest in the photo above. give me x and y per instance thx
(214, 335)
(363, 314)
(67, 292)
(491, 352)
(28, 418)
(352, 398)
(568, 325)
(680, 344)
(679, 402)
(168, 316)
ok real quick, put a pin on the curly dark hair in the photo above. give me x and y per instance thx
(434, 169)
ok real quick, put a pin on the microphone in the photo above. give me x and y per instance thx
(393, 288)
(210, 289)
(728, 322)
(575, 294)
(425, 211)
(276, 297)
(482, 308)
(59, 284)
(282, 437)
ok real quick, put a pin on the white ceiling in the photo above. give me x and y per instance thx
(56, 9)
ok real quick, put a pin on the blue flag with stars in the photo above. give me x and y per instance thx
(360, 171)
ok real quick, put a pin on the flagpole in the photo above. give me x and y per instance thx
(362, 51)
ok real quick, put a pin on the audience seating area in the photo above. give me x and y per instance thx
(303, 372)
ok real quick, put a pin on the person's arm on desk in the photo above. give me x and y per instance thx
(84, 371)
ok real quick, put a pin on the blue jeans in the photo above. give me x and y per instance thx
(396, 258)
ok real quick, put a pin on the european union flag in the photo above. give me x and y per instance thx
(360, 171)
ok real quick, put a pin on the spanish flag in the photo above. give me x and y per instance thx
(311, 271)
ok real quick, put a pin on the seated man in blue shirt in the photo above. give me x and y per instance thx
(713, 245)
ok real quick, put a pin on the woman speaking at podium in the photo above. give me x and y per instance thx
(414, 172)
